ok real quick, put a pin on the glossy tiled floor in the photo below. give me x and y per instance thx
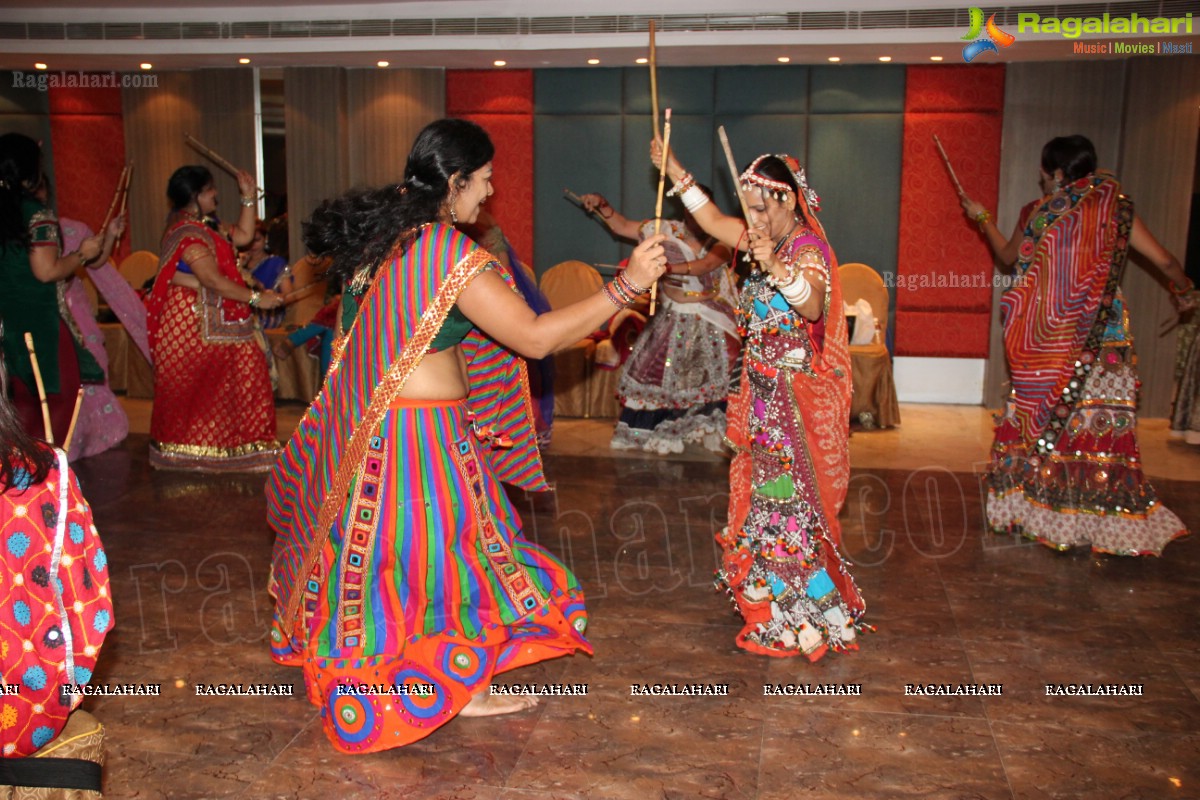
(189, 561)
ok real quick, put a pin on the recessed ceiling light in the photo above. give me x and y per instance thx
(643, 60)
(834, 59)
(39, 65)
(382, 63)
(593, 61)
(243, 61)
(935, 58)
(885, 58)
(146, 65)
(783, 59)
(499, 63)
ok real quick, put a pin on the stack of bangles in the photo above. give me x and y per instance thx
(254, 297)
(983, 218)
(693, 196)
(794, 288)
(622, 292)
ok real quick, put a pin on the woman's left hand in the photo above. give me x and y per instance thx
(115, 227)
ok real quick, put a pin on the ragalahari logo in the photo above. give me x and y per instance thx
(995, 37)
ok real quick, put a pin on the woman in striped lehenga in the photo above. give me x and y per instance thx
(1065, 465)
(399, 560)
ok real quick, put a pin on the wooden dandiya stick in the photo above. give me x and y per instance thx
(654, 81)
(211, 154)
(125, 189)
(74, 419)
(733, 173)
(41, 387)
(662, 179)
(579, 200)
(121, 186)
(945, 160)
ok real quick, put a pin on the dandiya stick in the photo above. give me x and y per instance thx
(942, 151)
(662, 179)
(211, 154)
(125, 189)
(41, 387)
(733, 173)
(74, 419)
(654, 81)
(577, 199)
(121, 185)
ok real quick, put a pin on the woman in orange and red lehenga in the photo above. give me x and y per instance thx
(214, 408)
(1066, 469)
(789, 420)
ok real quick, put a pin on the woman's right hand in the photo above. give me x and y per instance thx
(973, 209)
(648, 262)
(595, 202)
(92, 247)
(269, 300)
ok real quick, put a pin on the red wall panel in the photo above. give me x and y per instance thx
(944, 267)
(501, 101)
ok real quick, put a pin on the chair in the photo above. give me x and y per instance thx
(138, 267)
(874, 404)
(564, 284)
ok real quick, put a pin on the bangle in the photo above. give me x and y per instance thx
(254, 296)
(83, 260)
(610, 292)
(624, 282)
(983, 218)
(797, 292)
(611, 211)
(247, 202)
(1180, 291)
(694, 199)
(682, 185)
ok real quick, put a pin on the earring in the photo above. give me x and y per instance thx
(453, 215)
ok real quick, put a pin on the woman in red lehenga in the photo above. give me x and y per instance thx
(789, 420)
(214, 408)
(1066, 469)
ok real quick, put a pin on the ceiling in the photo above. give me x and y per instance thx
(119, 35)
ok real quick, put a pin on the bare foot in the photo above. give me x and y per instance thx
(486, 704)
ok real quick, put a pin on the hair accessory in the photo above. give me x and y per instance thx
(4, 185)
(778, 189)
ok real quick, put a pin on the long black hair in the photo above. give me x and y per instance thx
(20, 176)
(362, 227)
(1074, 155)
(18, 450)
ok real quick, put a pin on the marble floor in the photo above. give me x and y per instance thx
(189, 556)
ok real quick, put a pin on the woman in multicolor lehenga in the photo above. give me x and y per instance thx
(214, 408)
(789, 420)
(675, 383)
(1065, 465)
(399, 560)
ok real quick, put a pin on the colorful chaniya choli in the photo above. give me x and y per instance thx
(1066, 468)
(403, 583)
(789, 426)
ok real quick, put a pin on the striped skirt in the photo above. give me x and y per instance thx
(426, 588)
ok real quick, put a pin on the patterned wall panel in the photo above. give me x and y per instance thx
(944, 308)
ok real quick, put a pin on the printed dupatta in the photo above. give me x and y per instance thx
(396, 322)
(1069, 266)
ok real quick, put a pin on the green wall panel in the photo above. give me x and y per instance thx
(684, 90)
(582, 153)
(762, 90)
(857, 89)
(577, 91)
